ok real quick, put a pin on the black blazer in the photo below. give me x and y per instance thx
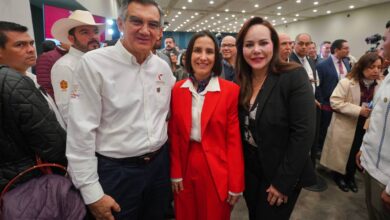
(312, 63)
(284, 130)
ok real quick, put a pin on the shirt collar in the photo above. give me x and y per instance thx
(213, 85)
(75, 52)
(125, 53)
(334, 58)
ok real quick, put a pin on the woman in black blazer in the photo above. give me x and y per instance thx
(277, 118)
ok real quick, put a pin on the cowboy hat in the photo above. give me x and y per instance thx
(61, 27)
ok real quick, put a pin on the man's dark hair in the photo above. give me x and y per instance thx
(337, 44)
(388, 24)
(6, 26)
(48, 45)
(71, 31)
(171, 37)
(124, 4)
(325, 42)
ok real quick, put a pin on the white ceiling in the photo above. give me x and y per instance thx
(229, 15)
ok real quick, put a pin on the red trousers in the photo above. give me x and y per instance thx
(199, 200)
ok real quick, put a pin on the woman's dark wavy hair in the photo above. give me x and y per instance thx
(244, 71)
(363, 63)
(217, 68)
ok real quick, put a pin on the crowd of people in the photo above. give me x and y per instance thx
(138, 126)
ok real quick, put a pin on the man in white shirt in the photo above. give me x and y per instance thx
(81, 31)
(374, 156)
(117, 129)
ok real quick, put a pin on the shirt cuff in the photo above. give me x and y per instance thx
(176, 180)
(92, 192)
(235, 194)
(388, 189)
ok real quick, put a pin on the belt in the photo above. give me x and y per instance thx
(140, 160)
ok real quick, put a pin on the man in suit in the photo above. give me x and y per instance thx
(285, 46)
(330, 71)
(312, 53)
(300, 55)
(325, 49)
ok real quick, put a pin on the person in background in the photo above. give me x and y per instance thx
(82, 33)
(374, 154)
(312, 53)
(29, 125)
(207, 168)
(325, 49)
(48, 45)
(160, 54)
(285, 47)
(44, 64)
(117, 128)
(177, 70)
(350, 102)
(277, 118)
(229, 53)
(170, 46)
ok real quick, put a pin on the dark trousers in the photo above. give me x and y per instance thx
(141, 190)
(314, 147)
(256, 196)
(357, 142)
(326, 117)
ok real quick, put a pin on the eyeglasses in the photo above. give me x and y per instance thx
(228, 45)
(301, 43)
(138, 22)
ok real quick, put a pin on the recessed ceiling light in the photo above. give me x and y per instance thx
(197, 25)
(233, 16)
(202, 23)
(214, 23)
(184, 7)
(265, 17)
(243, 11)
(283, 19)
(236, 22)
(179, 12)
(219, 22)
(295, 19)
(315, 3)
(212, 18)
(227, 10)
(252, 16)
(176, 16)
(217, 15)
(188, 20)
(173, 19)
(196, 13)
(211, 2)
(351, 6)
(230, 24)
(256, 5)
(226, 18)
(273, 21)
(315, 10)
(192, 16)
(285, 22)
(279, 13)
(298, 1)
(279, 7)
(328, 12)
(209, 26)
(296, 15)
(189, 1)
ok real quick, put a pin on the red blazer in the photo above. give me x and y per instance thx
(221, 138)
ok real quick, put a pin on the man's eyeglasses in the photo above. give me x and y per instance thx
(228, 45)
(301, 43)
(138, 22)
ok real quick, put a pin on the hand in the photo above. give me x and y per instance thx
(365, 112)
(102, 208)
(232, 200)
(275, 197)
(318, 104)
(386, 200)
(357, 160)
(177, 186)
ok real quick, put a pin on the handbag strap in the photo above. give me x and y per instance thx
(38, 166)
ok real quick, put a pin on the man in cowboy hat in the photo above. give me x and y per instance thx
(117, 129)
(81, 31)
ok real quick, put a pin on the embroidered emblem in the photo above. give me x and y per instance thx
(64, 85)
(159, 76)
(75, 93)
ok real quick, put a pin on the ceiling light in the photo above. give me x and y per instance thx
(265, 17)
(315, 3)
(295, 19)
(273, 21)
(214, 23)
(279, 13)
(256, 5)
(192, 16)
(110, 31)
(197, 25)
(109, 22)
(298, 1)
(188, 20)
(226, 18)
(227, 10)
(209, 26)
(202, 23)
(351, 7)
(252, 16)
(233, 16)
(243, 11)
(296, 15)
(279, 7)
(236, 22)
(217, 15)
(328, 12)
(283, 19)
(211, 2)
(315, 10)
(176, 16)
(212, 18)
(179, 12)
(196, 13)
(184, 7)
(189, 1)
(173, 19)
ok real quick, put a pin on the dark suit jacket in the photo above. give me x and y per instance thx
(329, 78)
(284, 130)
(294, 58)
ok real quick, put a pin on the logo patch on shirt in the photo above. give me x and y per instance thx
(75, 93)
(64, 85)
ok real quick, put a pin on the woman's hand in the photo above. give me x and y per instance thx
(232, 200)
(365, 112)
(275, 197)
(357, 160)
(177, 186)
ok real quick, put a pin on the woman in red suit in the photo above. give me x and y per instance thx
(207, 167)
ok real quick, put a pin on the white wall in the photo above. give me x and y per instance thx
(17, 11)
(360, 24)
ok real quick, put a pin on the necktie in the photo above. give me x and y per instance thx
(341, 69)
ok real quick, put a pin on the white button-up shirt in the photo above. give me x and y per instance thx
(61, 79)
(197, 105)
(376, 142)
(118, 108)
